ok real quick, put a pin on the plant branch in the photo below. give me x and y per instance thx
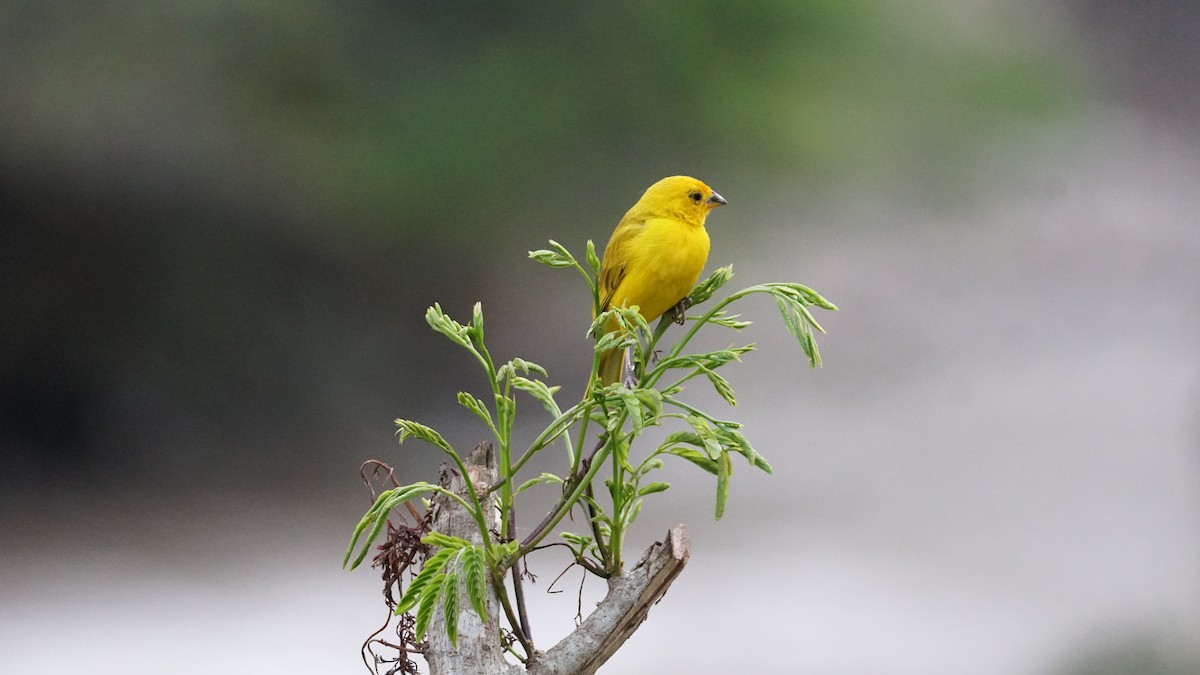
(630, 597)
(513, 621)
(601, 545)
(518, 583)
(591, 467)
(558, 427)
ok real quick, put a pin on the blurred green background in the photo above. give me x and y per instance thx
(228, 217)
(220, 224)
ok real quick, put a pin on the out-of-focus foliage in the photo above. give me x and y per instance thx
(220, 221)
(402, 117)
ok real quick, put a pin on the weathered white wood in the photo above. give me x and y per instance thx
(629, 599)
(478, 651)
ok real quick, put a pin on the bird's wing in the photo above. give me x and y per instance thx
(616, 258)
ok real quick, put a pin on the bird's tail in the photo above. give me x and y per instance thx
(610, 366)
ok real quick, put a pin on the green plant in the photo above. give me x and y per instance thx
(620, 413)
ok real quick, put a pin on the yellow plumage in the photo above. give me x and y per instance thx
(656, 254)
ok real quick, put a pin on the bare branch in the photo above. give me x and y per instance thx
(629, 599)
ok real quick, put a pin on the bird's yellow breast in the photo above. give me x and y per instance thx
(662, 263)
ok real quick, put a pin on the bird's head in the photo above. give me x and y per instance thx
(681, 197)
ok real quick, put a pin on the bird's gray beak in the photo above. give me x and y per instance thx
(716, 200)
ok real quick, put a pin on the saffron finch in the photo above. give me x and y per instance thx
(655, 254)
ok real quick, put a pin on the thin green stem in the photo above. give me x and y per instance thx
(566, 504)
(587, 416)
(586, 277)
(601, 545)
(504, 437)
(566, 439)
(462, 502)
(656, 374)
(695, 372)
(510, 650)
(561, 424)
(477, 511)
(513, 621)
(616, 533)
(693, 410)
(506, 490)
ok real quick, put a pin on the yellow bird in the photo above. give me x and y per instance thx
(656, 254)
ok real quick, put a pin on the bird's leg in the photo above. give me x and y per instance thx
(679, 311)
(628, 372)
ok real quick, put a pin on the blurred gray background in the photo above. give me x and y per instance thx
(220, 224)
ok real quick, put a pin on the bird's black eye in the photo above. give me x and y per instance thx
(695, 196)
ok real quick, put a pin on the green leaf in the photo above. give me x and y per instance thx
(500, 552)
(600, 323)
(696, 457)
(551, 258)
(476, 329)
(652, 488)
(577, 539)
(726, 320)
(705, 289)
(791, 319)
(600, 515)
(808, 317)
(427, 603)
(444, 541)
(443, 324)
(474, 569)
(558, 257)
(545, 478)
(721, 385)
(689, 437)
(810, 348)
(612, 422)
(724, 470)
(632, 512)
(561, 250)
(648, 465)
(592, 260)
(796, 317)
(633, 407)
(618, 339)
(651, 400)
(540, 391)
(381, 519)
(632, 317)
(476, 406)
(368, 518)
(708, 439)
(416, 589)
(377, 516)
(451, 592)
(713, 359)
(520, 364)
(417, 430)
(733, 440)
(803, 294)
(621, 452)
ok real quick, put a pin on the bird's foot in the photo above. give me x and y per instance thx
(679, 311)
